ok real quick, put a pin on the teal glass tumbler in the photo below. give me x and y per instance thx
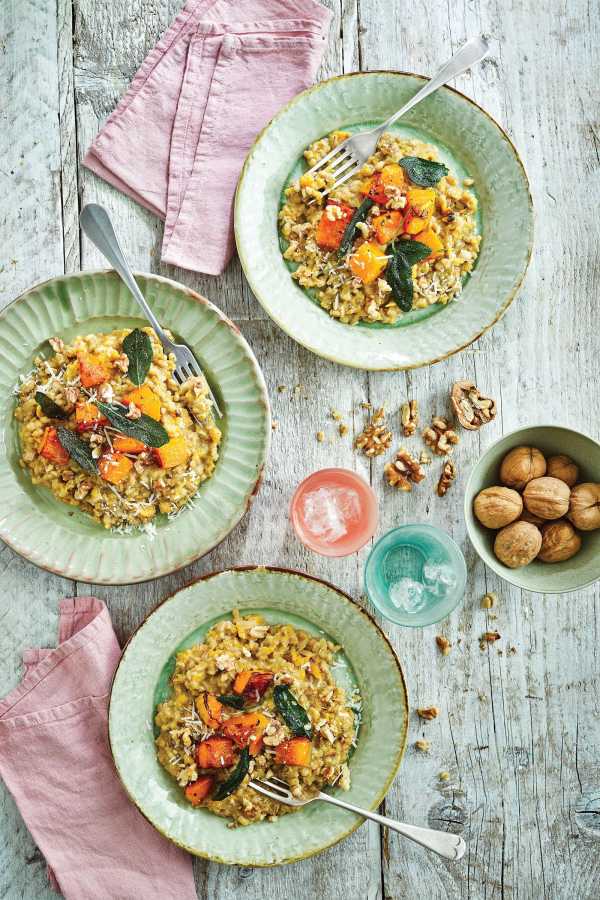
(415, 575)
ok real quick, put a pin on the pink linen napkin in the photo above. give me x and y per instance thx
(55, 761)
(177, 140)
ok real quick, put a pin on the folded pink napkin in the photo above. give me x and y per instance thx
(55, 761)
(177, 140)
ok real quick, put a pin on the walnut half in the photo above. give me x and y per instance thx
(446, 478)
(440, 437)
(404, 471)
(409, 417)
(472, 409)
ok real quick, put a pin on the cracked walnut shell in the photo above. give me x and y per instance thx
(404, 471)
(439, 436)
(497, 506)
(517, 544)
(376, 436)
(472, 409)
(584, 506)
(560, 541)
(547, 497)
(520, 465)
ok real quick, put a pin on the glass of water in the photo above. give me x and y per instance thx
(415, 575)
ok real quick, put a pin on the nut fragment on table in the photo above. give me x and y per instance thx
(428, 712)
(440, 436)
(488, 600)
(471, 407)
(423, 745)
(446, 478)
(409, 417)
(376, 436)
(404, 471)
(443, 643)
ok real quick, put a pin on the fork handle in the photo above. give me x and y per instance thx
(95, 221)
(450, 846)
(470, 53)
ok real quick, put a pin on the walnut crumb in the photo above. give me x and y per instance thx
(343, 429)
(423, 746)
(428, 712)
(488, 637)
(336, 415)
(409, 417)
(488, 600)
(376, 436)
(274, 425)
(444, 776)
(320, 436)
(281, 388)
(444, 644)
(404, 471)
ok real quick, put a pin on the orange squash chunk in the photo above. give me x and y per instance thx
(198, 790)
(374, 188)
(209, 709)
(88, 417)
(52, 448)
(393, 174)
(114, 467)
(240, 682)
(368, 262)
(246, 730)
(146, 400)
(431, 240)
(330, 231)
(93, 370)
(295, 752)
(125, 444)
(421, 201)
(388, 225)
(174, 453)
(215, 753)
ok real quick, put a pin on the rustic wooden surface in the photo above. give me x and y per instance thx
(518, 732)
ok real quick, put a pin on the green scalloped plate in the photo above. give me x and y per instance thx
(280, 595)
(67, 541)
(470, 142)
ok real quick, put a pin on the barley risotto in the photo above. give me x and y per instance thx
(255, 700)
(105, 426)
(399, 236)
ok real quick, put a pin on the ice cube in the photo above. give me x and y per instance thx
(328, 510)
(439, 573)
(407, 595)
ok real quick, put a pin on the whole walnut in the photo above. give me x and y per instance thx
(562, 467)
(497, 506)
(584, 506)
(517, 544)
(547, 497)
(521, 465)
(560, 541)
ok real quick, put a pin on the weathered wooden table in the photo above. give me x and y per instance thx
(518, 732)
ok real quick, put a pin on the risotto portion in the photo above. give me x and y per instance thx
(106, 427)
(401, 235)
(255, 701)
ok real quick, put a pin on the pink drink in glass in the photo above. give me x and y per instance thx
(334, 512)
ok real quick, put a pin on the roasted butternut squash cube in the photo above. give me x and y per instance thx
(414, 224)
(374, 188)
(215, 753)
(246, 730)
(52, 449)
(240, 681)
(209, 709)
(146, 400)
(297, 751)
(388, 225)
(174, 453)
(198, 790)
(125, 444)
(394, 175)
(88, 417)
(421, 201)
(114, 467)
(332, 224)
(368, 262)
(433, 241)
(93, 370)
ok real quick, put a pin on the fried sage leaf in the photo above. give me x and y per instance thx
(237, 701)
(49, 407)
(423, 172)
(294, 715)
(359, 216)
(232, 783)
(399, 277)
(138, 347)
(77, 449)
(144, 429)
(411, 252)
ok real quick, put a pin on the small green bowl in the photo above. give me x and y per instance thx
(582, 569)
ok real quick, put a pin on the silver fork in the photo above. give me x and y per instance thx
(450, 846)
(350, 155)
(95, 221)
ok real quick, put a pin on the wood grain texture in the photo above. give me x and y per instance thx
(518, 732)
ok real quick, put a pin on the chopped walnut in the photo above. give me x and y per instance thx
(409, 417)
(428, 712)
(423, 746)
(274, 734)
(488, 637)
(121, 362)
(446, 478)
(224, 662)
(82, 490)
(444, 644)
(57, 344)
(404, 471)
(444, 776)
(376, 437)
(488, 600)
(472, 409)
(424, 458)
(133, 412)
(326, 731)
(343, 429)
(320, 436)
(71, 394)
(258, 631)
(439, 436)
(106, 393)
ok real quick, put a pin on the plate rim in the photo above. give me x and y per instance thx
(371, 622)
(5, 535)
(349, 362)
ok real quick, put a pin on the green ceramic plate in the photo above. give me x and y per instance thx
(551, 578)
(66, 540)
(470, 143)
(280, 595)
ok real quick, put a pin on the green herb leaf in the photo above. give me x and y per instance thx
(232, 783)
(294, 715)
(411, 252)
(144, 429)
(359, 216)
(138, 347)
(77, 449)
(399, 278)
(49, 407)
(234, 700)
(423, 172)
